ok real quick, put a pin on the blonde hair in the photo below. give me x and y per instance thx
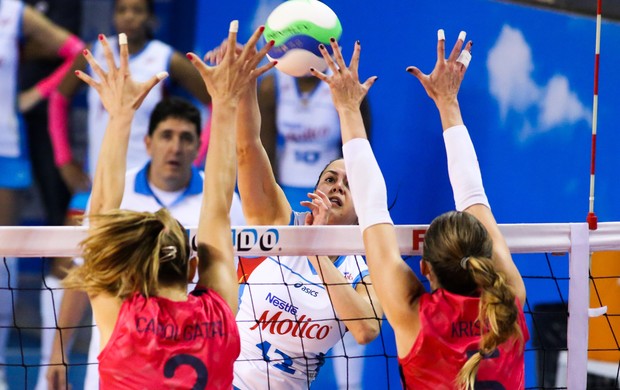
(129, 252)
(460, 251)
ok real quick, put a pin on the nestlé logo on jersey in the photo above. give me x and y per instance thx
(307, 290)
(246, 239)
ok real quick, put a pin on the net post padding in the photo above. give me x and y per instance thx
(578, 304)
(53, 241)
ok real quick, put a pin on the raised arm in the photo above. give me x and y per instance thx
(121, 96)
(263, 201)
(225, 83)
(442, 85)
(394, 282)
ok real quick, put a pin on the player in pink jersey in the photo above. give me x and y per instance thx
(470, 331)
(137, 264)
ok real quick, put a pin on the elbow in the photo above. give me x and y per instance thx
(367, 332)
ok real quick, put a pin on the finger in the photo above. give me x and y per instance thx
(322, 196)
(355, 58)
(250, 46)
(146, 88)
(258, 56)
(87, 79)
(457, 46)
(328, 59)
(198, 64)
(94, 65)
(264, 69)
(337, 54)
(232, 40)
(107, 54)
(369, 82)
(319, 75)
(124, 52)
(441, 45)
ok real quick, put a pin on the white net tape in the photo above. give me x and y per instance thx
(572, 238)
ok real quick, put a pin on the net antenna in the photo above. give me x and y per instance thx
(591, 218)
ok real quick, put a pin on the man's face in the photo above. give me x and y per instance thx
(172, 147)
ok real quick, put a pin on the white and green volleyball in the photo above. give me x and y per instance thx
(298, 27)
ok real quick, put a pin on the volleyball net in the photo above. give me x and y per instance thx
(572, 276)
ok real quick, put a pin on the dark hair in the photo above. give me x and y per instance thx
(460, 250)
(174, 107)
(150, 5)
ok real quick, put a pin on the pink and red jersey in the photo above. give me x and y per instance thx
(162, 344)
(449, 334)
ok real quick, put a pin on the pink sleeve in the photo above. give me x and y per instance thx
(71, 47)
(58, 117)
(51, 82)
(199, 162)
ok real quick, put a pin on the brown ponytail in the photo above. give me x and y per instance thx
(459, 249)
(498, 316)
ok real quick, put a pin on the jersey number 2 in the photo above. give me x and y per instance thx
(202, 376)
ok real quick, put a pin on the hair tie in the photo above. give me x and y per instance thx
(464, 261)
(169, 253)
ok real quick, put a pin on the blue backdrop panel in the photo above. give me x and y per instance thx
(526, 98)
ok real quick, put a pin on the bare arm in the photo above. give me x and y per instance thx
(268, 128)
(225, 83)
(72, 309)
(46, 36)
(358, 309)
(263, 201)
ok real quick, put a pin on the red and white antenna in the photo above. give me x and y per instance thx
(592, 219)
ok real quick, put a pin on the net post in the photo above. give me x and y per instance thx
(578, 304)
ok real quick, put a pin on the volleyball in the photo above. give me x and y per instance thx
(297, 27)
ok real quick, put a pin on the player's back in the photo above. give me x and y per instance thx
(159, 343)
(450, 333)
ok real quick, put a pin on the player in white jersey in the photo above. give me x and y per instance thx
(300, 131)
(167, 180)
(21, 25)
(285, 330)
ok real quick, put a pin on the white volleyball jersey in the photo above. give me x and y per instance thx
(286, 320)
(138, 196)
(308, 132)
(11, 136)
(152, 59)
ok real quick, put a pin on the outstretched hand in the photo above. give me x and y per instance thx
(347, 91)
(445, 80)
(234, 69)
(320, 208)
(116, 89)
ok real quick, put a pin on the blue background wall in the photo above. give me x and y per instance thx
(527, 100)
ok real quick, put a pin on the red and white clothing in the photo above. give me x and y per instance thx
(162, 344)
(286, 320)
(450, 333)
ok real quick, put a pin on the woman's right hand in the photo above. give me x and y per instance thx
(227, 79)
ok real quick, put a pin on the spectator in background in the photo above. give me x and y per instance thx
(22, 26)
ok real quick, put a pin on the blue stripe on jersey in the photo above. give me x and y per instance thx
(295, 273)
